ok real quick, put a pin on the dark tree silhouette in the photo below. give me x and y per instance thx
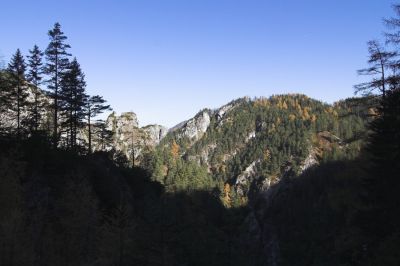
(393, 38)
(35, 77)
(104, 135)
(57, 63)
(380, 62)
(95, 105)
(73, 100)
(381, 216)
(17, 69)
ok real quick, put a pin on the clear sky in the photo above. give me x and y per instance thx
(167, 59)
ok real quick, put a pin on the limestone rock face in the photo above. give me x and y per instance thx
(123, 124)
(128, 138)
(310, 161)
(155, 133)
(246, 176)
(196, 127)
(7, 117)
(220, 113)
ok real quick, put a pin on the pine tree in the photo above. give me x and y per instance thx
(95, 106)
(35, 76)
(73, 100)
(17, 69)
(380, 63)
(57, 63)
(104, 135)
(381, 215)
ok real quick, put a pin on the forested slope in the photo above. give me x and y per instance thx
(250, 144)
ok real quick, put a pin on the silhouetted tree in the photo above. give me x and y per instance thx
(381, 215)
(380, 62)
(35, 76)
(95, 106)
(19, 95)
(73, 100)
(393, 38)
(104, 135)
(57, 63)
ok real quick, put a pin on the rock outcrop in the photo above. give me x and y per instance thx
(130, 139)
(155, 133)
(194, 128)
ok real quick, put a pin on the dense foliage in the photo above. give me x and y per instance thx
(271, 133)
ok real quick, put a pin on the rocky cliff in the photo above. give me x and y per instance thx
(130, 139)
(126, 136)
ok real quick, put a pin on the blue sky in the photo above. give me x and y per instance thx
(167, 59)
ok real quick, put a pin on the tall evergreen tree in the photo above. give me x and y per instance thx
(17, 68)
(379, 64)
(104, 135)
(381, 215)
(73, 100)
(35, 76)
(57, 63)
(393, 38)
(95, 106)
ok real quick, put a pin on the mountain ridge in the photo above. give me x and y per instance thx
(247, 140)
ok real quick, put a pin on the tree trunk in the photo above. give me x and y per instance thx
(55, 133)
(383, 81)
(18, 108)
(90, 132)
(71, 131)
(35, 110)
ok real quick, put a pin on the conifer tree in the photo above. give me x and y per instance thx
(57, 63)
(35, 76)
(95, 106)
(381, 215)
(379, 63)
(393, 38)
(73, 100)
(104, 135)
(17, 68)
